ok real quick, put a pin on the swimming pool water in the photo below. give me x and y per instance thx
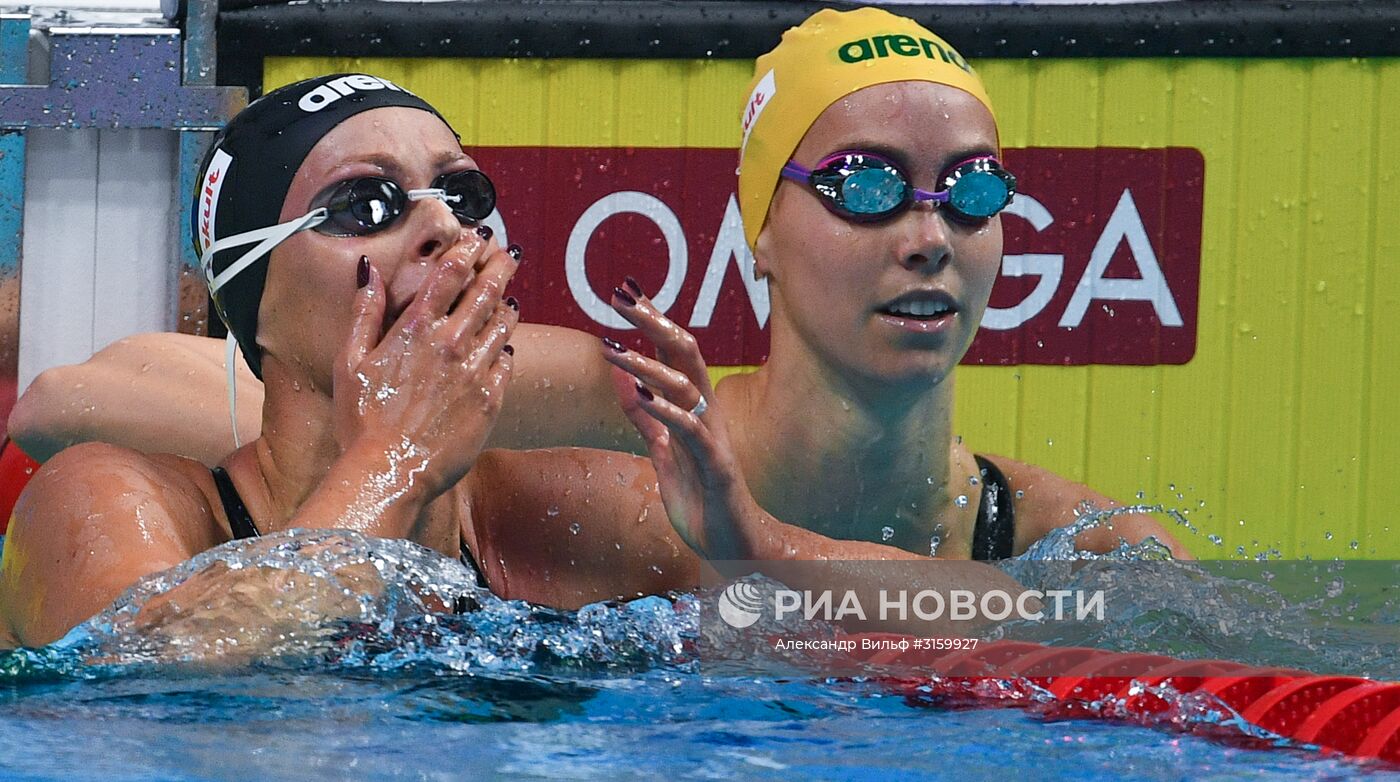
(655, 725)
(613, 691)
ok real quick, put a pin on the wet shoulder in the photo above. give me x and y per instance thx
(160, 495)
(95, 519)
(571, 526)
(1044, 501)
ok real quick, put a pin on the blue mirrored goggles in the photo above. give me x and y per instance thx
(865, 187)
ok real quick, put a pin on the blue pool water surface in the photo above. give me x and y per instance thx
(224, 690)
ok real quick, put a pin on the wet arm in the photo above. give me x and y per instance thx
(165, 392)
(149, 392)
(1046, 501)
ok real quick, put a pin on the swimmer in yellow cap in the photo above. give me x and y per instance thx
(870, 186)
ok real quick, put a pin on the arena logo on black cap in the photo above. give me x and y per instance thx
(334, 90)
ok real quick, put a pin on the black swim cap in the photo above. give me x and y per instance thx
(245, 176)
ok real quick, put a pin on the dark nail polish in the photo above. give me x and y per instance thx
(509, 350)
(513, 303)
(625, 296)
(515, 251)
(632, 284)
(362, 272)
(645, 392)
(484, 231)
(614, 344)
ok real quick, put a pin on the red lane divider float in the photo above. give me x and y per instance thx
(1345, 714)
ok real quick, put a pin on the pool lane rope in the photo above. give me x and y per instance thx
(1350, 715)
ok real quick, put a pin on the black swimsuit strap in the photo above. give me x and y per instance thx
(239, 520)
(995, 533)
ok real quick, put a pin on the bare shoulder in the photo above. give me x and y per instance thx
(561, 370)
(1045, 501)
(94, 520)
(570, 526)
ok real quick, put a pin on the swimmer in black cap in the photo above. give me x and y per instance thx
(336, 219)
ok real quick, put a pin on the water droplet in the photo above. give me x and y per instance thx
(886, 533)
(1020, 494)
(973, 481)
(552, 511)
(1327, 535)
(574, 528)
(960, 501)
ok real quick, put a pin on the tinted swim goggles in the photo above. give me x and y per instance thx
(356, 207)
(864, 187)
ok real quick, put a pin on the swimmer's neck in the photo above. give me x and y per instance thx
(297, 444)
(847, 462)
(289, 479)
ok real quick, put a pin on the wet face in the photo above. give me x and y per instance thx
(864, 298)
(306, 306)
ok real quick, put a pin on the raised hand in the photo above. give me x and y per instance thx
(671, 402)
(427, 390)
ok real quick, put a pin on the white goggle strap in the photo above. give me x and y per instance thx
(266, 238)
(231, 356)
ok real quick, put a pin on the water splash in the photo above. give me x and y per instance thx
(1258, 612)
(337, 599)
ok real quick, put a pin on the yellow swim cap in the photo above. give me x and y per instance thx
(829, 56)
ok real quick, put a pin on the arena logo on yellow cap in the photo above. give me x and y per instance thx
(900, 45)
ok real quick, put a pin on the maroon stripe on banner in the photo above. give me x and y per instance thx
(1102, 249)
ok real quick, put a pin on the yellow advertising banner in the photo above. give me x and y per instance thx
(1270, 430)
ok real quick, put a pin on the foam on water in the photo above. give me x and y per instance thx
(316, 599)
(339, 598)
(339, 602)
